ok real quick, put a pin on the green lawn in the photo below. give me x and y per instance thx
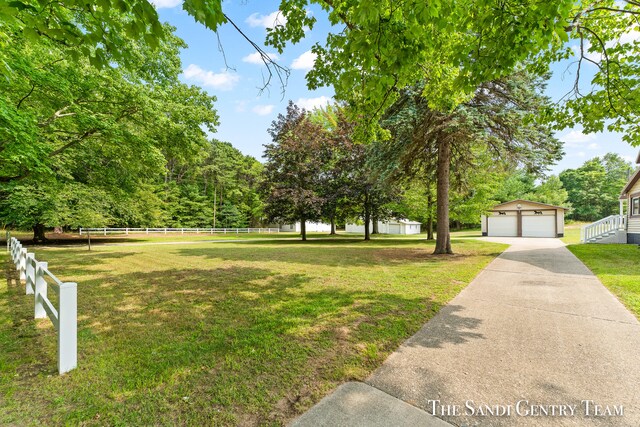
(248, 333)
(572, 232)
(617, 266)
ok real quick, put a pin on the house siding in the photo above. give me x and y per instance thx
(633, 227)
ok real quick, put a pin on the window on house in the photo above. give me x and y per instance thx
(635, 206)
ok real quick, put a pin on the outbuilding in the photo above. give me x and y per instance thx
(394, 226)
(524, 218)
(311, 227)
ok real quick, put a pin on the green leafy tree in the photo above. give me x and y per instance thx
(594, 187)
(293, 169)
(231, 217)
(71, 127)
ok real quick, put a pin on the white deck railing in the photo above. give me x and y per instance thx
(64, 317)
(603, 227)
(106, 230)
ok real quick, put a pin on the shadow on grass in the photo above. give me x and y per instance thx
(233, 339)
(328, 253)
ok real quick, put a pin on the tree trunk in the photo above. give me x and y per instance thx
(303, 229)
(430, 217)
(374, 220)
(333, 225)
(443, 239)
(38, 233)
(367, 217)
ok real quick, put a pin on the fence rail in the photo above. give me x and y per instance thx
(106, 230)
(64, 317)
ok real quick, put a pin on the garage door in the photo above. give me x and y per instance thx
(539, 226)
(394, 228)
(502, 226)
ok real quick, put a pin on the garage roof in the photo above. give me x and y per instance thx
(532, 202)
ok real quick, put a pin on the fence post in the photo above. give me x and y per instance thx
(105, 231)
(147, 230)
(14, 246)
(126, 231)
(68, 327)
(30, 274)
(80, 231)
(40, 291)
(22, 266)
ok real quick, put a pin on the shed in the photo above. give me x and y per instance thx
(310, 227)
(524, 218)
(396, 226)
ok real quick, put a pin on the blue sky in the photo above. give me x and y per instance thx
(246, 114)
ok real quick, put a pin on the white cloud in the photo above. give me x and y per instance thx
(575, 137)
(311, 103)
(224, 80)
(592, 146)
(263, 110)
(629, 159)
(304, 61)
(581, 154)
(166, 4)
(256, 58)
(267, 21)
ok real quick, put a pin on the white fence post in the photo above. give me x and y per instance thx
(30, 273)
(40, 291)
(22, 266)
(68, 327)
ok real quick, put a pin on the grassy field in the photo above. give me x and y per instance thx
(237, 333)
(617, 266)
(572, 232)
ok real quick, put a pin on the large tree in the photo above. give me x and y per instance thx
(378, 48)
(497, 122)
(293, 169)
(69, 129)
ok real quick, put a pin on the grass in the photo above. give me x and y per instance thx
(617, 267)
(237, 333)
(572, 232)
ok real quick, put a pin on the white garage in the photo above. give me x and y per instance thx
(503, 225)
(524, 218)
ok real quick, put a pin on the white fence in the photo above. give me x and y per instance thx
(105, 230)
(64, 317)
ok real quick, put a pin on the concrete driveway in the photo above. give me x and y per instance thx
(534, 340)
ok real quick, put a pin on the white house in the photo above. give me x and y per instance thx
(399, 226)
(318, 227)
(524, 218)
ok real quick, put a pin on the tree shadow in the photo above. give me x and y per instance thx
(333, 253)
(447, 327)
